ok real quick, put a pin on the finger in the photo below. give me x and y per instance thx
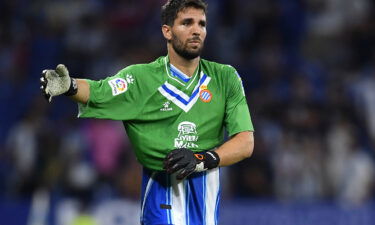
(61, 70)
(184, 173)
(176, 167)
(167, 165)
(47, 74)
(46, 96)
(43, 81)
(172, 153)
(171, 163)
(177, 151)
(44, 72)
(187, 171)
(173, 156)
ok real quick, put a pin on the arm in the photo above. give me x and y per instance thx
(239, 147)
(83, 92)
(185, 162)
(237, 123)
(58, 82)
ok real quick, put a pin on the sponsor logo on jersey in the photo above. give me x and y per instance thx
(120, 85)
(187, 135)
(205, 95)
(166, 107)
(129, 79)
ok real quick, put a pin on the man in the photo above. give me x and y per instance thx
(174, 110)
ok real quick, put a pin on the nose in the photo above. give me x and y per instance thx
(196, 30)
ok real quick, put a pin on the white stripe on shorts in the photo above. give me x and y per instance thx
(213, 183)
(178, 201)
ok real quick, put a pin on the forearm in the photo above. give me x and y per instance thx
(185, 162)
(239, 147)
(83, 92)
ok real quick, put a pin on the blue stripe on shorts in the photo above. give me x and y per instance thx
(167, 201)
(196, 198)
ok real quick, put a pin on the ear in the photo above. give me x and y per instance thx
(167, 32)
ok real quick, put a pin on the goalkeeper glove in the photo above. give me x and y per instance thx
(186, 162)
(57, 82)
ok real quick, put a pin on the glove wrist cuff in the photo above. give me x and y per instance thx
(73, 88)
(211, 160)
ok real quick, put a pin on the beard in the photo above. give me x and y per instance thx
(183, 50)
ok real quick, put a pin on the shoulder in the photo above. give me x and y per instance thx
(144, 69)
(224, 74)
(220, 71)
(218, 68)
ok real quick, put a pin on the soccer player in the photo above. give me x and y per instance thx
(175, 111)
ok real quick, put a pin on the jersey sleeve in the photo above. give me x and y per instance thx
(112, 98)
(237, 115)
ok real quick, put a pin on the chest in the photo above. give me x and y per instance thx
(203, 99)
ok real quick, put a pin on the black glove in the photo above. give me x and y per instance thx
(186, 162)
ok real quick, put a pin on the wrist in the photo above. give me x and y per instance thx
(73, 88)
(212, 159)
(207, 160)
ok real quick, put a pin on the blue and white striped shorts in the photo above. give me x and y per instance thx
(192, 201)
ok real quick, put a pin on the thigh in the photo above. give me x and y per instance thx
(156, 202)
(166, 200)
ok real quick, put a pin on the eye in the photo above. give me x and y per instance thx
(187, 22)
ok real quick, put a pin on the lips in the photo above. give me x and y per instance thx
(195, 41)
(194, 44)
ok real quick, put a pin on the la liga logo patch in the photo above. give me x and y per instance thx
(205, 95)
(118, 86)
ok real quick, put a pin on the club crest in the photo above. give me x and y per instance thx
(205, 95)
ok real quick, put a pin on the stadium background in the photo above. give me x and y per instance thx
(308, 69)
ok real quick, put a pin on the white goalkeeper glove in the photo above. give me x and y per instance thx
(57, 82)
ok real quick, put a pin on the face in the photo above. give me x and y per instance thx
(188, 33)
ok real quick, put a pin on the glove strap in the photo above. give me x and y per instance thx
(212, 160)
(207, 160)
(73, 88)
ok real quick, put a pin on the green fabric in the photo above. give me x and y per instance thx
(157, 122)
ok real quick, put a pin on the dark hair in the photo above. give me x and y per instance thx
(170, 10)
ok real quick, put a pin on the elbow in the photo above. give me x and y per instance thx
(248, 146)
(249, 149)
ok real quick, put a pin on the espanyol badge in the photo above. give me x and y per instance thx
(205, 95)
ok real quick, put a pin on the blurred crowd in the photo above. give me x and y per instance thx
(308, 68)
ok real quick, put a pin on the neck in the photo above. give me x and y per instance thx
(186, 66)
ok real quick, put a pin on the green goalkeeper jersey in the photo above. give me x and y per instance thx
(163, 110)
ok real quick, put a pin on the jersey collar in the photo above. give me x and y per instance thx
(177, 75)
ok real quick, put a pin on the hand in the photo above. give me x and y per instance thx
(57, 82)
(186, 162)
